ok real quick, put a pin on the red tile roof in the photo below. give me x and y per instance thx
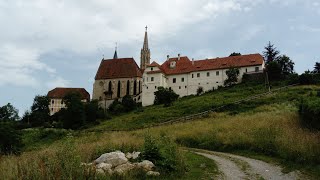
(185, 65)
(118, 68)
(62, 92)
(153, 64)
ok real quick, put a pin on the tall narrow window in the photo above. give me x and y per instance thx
(192, 75)
(174, 80)
(128, 87)
(152, 78)
(110, 87)
(119, 89)
(208, 74)
(182, 79)
(139, 87)
(257, 69)
(135, 87)
(198, 74)
(217, 73)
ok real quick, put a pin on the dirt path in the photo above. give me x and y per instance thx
(238, 167)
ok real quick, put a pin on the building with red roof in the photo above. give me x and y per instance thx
(57, 95)
(185, 76)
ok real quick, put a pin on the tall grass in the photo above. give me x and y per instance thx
(272, 130)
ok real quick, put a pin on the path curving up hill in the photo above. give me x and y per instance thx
(234, 167)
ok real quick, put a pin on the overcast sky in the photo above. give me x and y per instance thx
(60, 43)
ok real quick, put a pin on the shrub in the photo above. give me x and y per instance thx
(165, 96)
(309, 111)
(232, 78)
(163, 152)
(128, 103)
(199, 91)
(10, 138)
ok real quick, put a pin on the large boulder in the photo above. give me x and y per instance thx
(124, 168)
(146, 165)
(114, 158)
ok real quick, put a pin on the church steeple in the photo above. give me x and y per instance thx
(145, 52)
(115, 56)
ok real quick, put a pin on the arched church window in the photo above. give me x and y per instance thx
(139, 87)
(119, 89)
(135, 87)
(128, 87)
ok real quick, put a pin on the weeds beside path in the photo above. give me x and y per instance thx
(239, 167)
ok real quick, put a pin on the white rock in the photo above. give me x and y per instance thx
(100, 172)
(135, 155)
(114, 158)
(146, 165)
(153, 173)
(104, 166)
(124, 168)
(128, 155)
(86, 164)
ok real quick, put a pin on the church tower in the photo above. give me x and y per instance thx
(145, 52)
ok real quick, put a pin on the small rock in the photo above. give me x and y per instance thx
(146, 165)
(203, 165)
(135, 155)
(100, 172)
(86, 164)
(128, 155)
(153, 173)
(124, 168)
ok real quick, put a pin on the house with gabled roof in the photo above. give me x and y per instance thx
(57, 95)
(185, 76)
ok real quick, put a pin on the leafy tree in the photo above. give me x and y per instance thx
(271, 53)
(165, 96)
(274, 70)
(286, 65)
(39, 111)
(235, 54)
(316, 68)
(10, 138)
(92, 110)
(232, 78)
(8, 113)
(74, 115)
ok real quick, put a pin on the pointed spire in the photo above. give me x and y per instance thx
(115, 56)
(145, 43)
(145, 52)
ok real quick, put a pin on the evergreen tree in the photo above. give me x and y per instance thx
(271, 53)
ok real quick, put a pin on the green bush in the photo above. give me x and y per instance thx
(10, 138)
(309, 111)
(165, 96)
(163, 152)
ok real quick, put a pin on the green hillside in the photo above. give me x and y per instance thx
(266, 127)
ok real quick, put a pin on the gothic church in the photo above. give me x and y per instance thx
(118, 77)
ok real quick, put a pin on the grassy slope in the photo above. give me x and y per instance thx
(267, 126)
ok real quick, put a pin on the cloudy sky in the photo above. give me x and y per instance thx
(60, 43)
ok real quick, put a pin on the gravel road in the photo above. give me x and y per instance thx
(238, 167)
